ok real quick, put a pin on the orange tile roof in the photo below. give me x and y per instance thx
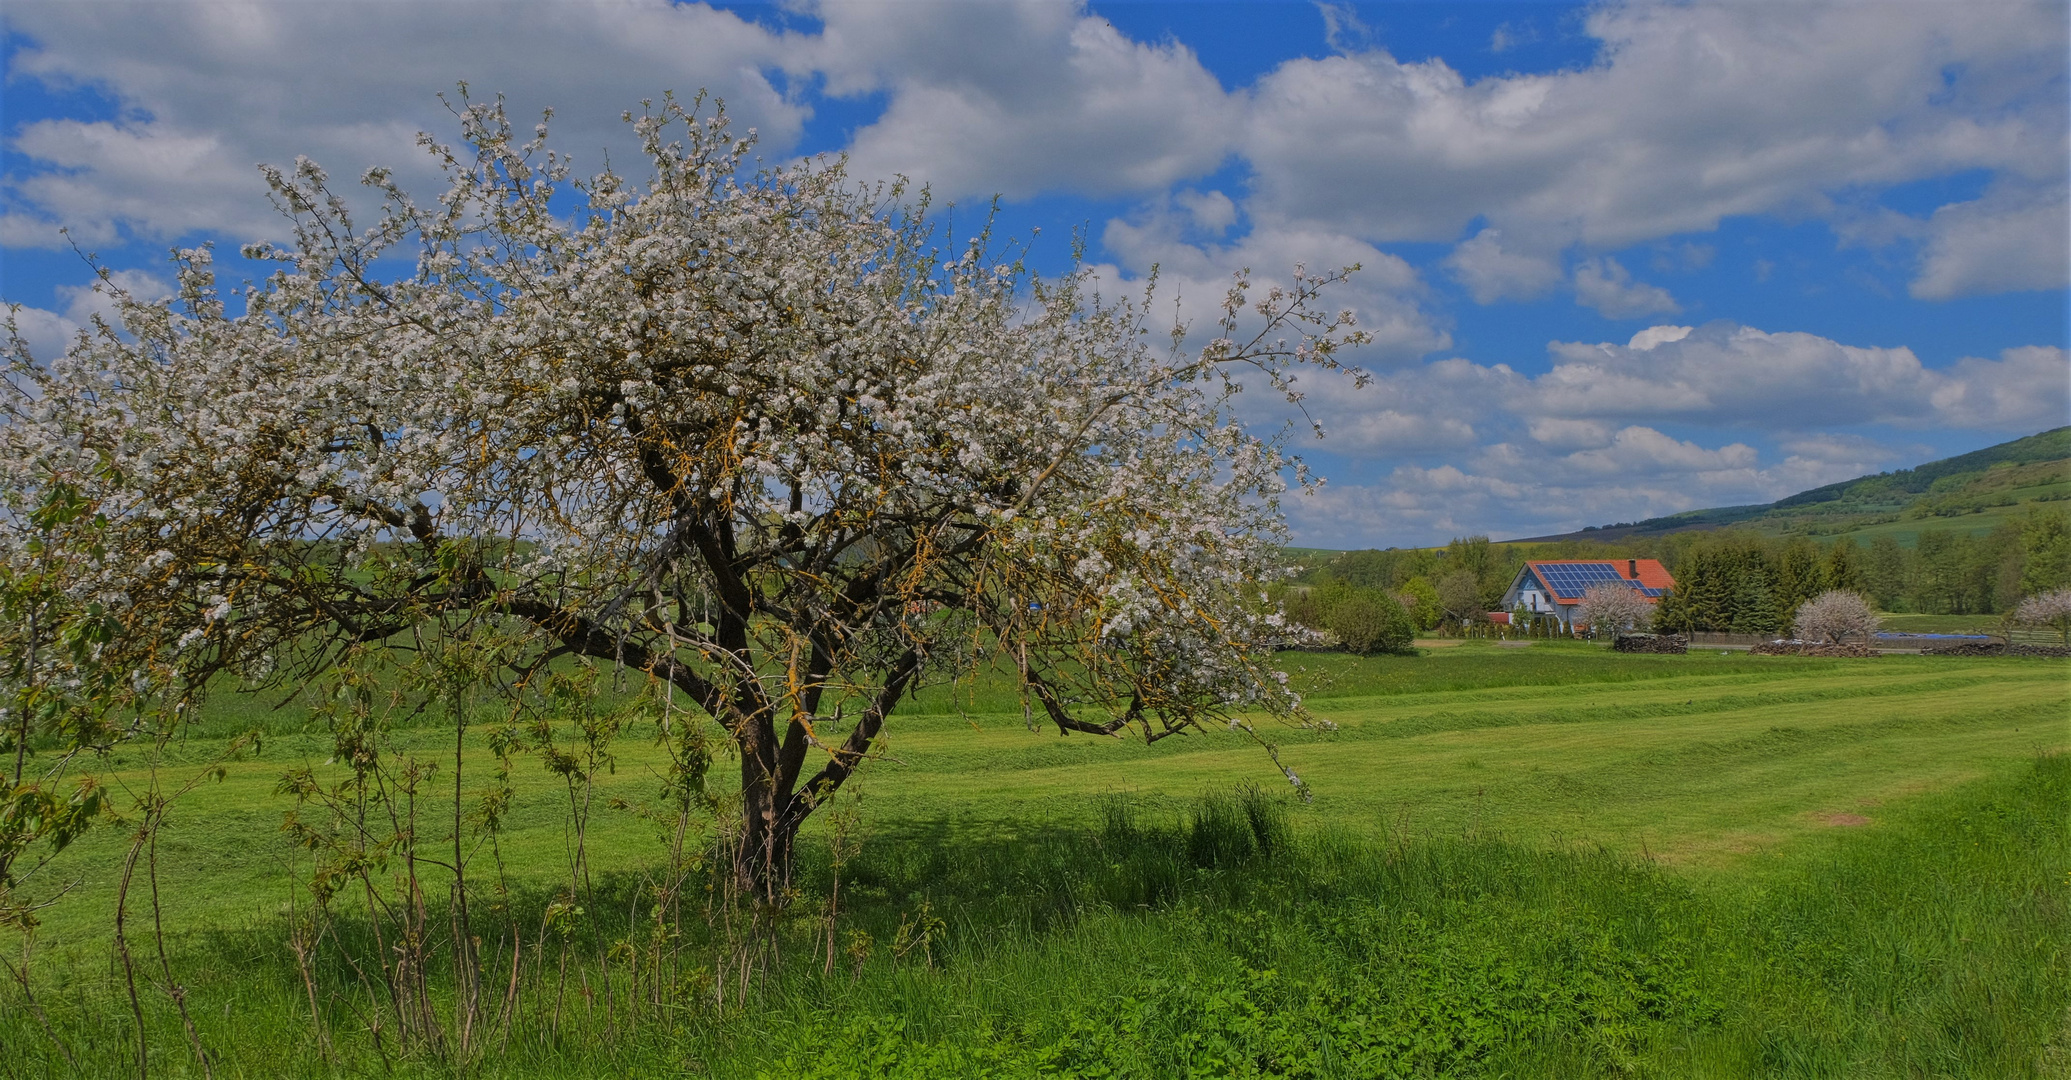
(1654, 575)
(1651, 574)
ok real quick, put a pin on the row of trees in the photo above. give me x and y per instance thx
(1946, 572)
(1486, 566)
(1459, 582)
(1740, 580)
(1746, 583)
(1742, 585)
(1955, 573)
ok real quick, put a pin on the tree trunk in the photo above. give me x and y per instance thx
(763, 863)
(774, 801)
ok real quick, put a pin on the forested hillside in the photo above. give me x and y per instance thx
(1972, 493)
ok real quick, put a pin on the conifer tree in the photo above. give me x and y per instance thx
(1708, 592)
(1754, 602)
(1843, 569)
(1799, 576)
(1671, 614)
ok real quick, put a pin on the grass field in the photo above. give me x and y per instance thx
(1548, 861)
(1941, 624)
(1906, 531)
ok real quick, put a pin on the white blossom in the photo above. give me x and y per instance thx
(1835, 616)
(711, 421)
(1614, 607)
(2050, 609)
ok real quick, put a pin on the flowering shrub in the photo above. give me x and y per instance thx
(1835, 616)
(1614, 608)
(2050, 609)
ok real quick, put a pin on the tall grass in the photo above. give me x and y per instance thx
(1210, 939)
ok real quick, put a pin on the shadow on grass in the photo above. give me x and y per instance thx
(1209, 939)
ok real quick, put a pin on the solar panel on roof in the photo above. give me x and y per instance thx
(1571, 580)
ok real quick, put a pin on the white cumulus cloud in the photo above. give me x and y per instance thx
(1726, 374)
(2026, 389)
(209, 90)
(1490, 273)
(1021, 98)
(1607, 286)
(1691, 113)
(1688, 114)
(2008, 241)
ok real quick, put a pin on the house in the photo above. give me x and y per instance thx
(1554, 587)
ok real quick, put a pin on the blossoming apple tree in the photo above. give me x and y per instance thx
(1835, 616)
(1614, 608)
(748, 432)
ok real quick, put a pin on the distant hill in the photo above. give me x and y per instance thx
(1971, 492)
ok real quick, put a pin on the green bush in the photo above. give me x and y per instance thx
(1421, 597)
(1370, 621)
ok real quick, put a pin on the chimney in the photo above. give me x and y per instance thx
(1632, 569)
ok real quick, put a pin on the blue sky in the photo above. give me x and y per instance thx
(1620, 259)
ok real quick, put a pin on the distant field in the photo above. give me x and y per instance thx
(1942, 624)
(1993, 625)
(1541, 819)
(1907, 622)
(1907, 531)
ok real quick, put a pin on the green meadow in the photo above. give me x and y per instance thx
(1518, 861)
